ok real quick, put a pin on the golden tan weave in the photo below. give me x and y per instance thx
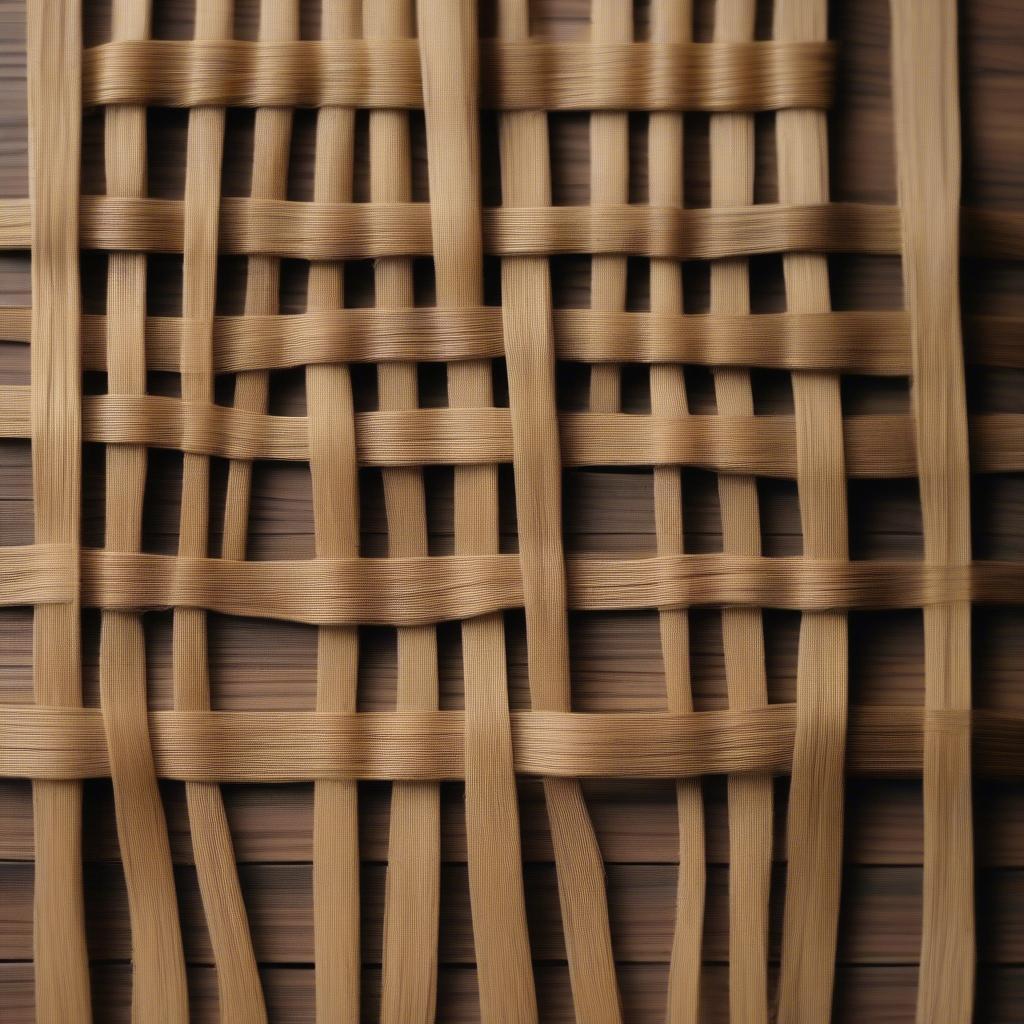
(387, 58)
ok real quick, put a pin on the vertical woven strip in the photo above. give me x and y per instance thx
(336, 522)
(157, 954)
(529, 348)
(612, 22)
(54, 111)
(238, 983)
(412, 899)
(927, 124)
(815, 827)
(750, 797)
(672, 22)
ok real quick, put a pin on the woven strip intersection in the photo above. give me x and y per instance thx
(379, 64)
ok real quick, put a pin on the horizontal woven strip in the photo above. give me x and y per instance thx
(854, 341)
(417, 591)
(330, 231)
(382, 74)
(877, 446)
(268, 746)
(350, 231)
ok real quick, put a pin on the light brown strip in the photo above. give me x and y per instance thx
(851, 341)
(750, 799)
(370, 231)
(517, 75)
(238, 984)
(877, 446)
(158, 957)
(449, 51)
(54, 111)
(421, 746)
(415, 808)
(927, 128)
(672, 22)
(335, 486)
(815, 823)
(526, 314)
(315, 231)
(417, 591)
(863, 342)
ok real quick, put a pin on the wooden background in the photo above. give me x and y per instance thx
(616, 660)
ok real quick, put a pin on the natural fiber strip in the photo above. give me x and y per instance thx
(322, 231)
(415, 822)
(417, 591)
(673, 22)
(517, 75)
(368, 231)
(864, 342)
(158, 958)
(450, 61)
(877, 446)
(238, 984)
(38, 574)
(750, 799)
(853, 341)
(927, 130)
(335, 484)
(61, 960)
(814, 830)
(529, 342)
(419, 746)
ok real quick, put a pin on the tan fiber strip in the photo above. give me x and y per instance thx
(750, 799)
(673, 22)
(450, 59)
(239, 990)
(927, 128)
(271, 139)
(281, 747)
(814, 843)
(38, 574)
(413, 892)
(336, 524)
(318, 231)
(157, 953)
(54, 100)
(415, 826)
(529, 343)
(416, 591)
(876, 446)
(369, 231)
(852, 341)
(517, 75)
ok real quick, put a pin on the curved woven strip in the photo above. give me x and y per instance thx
(280, 746)
(516, 75)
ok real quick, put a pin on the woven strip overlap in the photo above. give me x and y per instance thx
(493, 325)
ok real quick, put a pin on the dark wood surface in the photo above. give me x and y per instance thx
(616, 660)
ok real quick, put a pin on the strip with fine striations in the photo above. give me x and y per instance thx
(238, 983)
(927, 129)
(815, 826)
(673, 21)
(384, 74)
(526, 316)
(335, 486)
(750, 798)
(413, 874)
(158, 959)
(451, 68)
(427, 746)
(54, 107)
